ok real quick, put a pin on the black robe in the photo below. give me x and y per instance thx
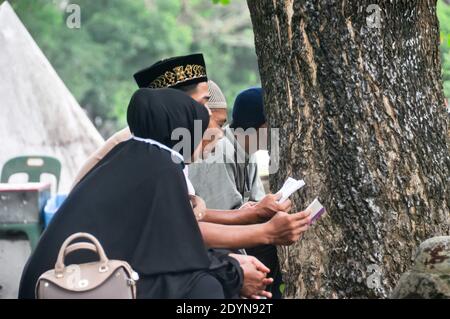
(135, 201)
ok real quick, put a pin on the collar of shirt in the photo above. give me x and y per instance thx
(160, 145)
(190, 187)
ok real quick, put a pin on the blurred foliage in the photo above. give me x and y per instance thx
(443, 12)
(221, 1)
(117, 38)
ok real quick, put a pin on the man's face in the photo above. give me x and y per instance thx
(219, 116)
(216, 120)
(201, 93)
(215, 130)
(254, 141)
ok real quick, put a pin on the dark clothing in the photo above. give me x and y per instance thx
(207, 287)
(135, 202)
(267, 254)
(223, 279)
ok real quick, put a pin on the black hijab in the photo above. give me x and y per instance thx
(135, 200)
(151, 115)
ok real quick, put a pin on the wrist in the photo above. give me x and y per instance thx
(264, 232)
(249, 215)
(262, 212)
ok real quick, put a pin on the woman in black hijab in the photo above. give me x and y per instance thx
(135, 201)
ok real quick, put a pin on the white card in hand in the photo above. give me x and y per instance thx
(316, 209)
(290, 186)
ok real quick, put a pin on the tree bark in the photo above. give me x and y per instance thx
(361, 114)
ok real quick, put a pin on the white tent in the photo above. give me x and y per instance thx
(38, 114)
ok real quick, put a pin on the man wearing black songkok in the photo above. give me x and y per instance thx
(247, 227)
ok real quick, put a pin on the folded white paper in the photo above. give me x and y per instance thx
(289, 187)
(316, 210)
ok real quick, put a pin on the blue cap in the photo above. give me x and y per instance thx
(248, 109)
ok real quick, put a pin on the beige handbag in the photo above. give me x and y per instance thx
(104, 279)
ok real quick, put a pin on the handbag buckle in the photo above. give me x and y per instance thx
(103, 268)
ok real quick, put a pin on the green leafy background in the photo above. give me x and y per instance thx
(119, 37)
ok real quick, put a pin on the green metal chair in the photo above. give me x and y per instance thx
(34, 167)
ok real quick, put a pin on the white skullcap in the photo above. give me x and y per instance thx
(217, 99)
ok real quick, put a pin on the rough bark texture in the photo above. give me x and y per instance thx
(362, 120)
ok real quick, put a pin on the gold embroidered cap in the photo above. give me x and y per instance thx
(173, 72)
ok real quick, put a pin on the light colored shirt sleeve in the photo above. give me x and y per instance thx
(99, 154)
(257, 191)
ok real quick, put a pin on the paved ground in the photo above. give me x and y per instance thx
(14, 252)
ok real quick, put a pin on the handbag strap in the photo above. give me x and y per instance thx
(66, 249)
(80, 246)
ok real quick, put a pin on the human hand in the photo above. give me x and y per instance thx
(286, 229)
(255, 273)
(198, 206)
(269, 206)
(247, 205)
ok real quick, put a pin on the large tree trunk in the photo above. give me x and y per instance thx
(360, 108)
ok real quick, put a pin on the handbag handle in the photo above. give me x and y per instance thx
(78, 246)
(66, 249)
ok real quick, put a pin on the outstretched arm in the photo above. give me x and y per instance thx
(249, 214)
(282, 229)
(232, 236)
